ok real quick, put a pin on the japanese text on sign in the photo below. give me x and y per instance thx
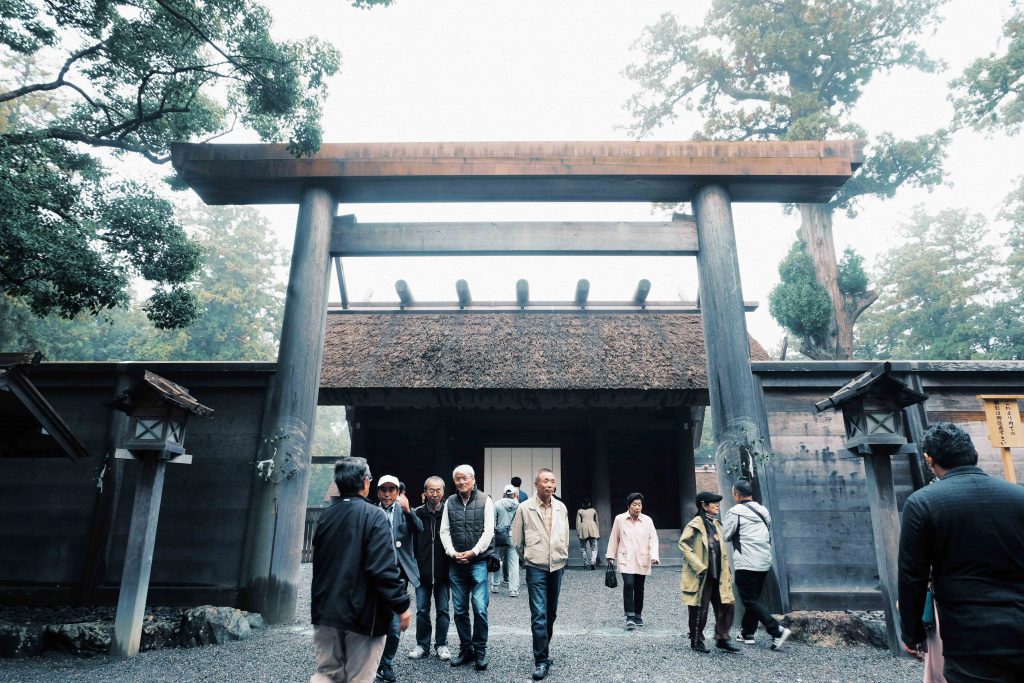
(1003, 416)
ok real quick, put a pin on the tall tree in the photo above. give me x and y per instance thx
(990, 92)
(240, 300)
(130, 78)
(1006, 323)
(794, 70)
(941, 283)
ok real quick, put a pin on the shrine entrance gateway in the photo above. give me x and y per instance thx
(709, 175)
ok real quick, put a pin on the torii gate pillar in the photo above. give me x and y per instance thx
(736, 413)
(288, 425)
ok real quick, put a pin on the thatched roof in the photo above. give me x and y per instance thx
(549, 351)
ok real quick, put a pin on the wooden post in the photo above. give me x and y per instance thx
(1008, 469)
(462, 292)
(522, 293)
(885, 527)
(687, 474)
(277, 550)
(138, 558)
(600, 488)
(582, 292)
(734, 408)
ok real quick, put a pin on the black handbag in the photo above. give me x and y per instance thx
(610, 579)
(493, 564)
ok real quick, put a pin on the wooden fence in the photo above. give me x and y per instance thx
(312, 514)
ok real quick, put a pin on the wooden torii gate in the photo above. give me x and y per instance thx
(709, 175)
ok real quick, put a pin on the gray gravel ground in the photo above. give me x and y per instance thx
(589, 645)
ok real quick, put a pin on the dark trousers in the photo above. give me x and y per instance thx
(543, 587)
(711, 597)
(393, 637)
(983, 668)
(633, 594)
(439, 591)
(749, 585)
(469, 587)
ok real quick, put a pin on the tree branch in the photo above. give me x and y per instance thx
(57, 82)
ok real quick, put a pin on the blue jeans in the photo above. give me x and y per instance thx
(393, 636)
(439, 591)
(543, 587)
(470, 580)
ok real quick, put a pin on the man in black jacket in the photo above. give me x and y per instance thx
(404, 525)
(966, 532)
(356, 584)
(433, 565)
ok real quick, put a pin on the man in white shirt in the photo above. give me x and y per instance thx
(467, 533)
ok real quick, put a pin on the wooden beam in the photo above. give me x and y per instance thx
(666, 238)
(582, 291)
(404, 292)
(803, 171)
(462, 292)
(341, 281)
(471, 306)
(522, 292)
(643, 288)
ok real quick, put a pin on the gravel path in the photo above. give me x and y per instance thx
(589, 644)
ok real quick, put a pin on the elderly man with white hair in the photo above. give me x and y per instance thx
(467, 533)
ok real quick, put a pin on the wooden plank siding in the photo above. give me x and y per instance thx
(822, 490)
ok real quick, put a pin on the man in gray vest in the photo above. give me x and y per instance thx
(467, 533)
(747, 526)
(504, 512)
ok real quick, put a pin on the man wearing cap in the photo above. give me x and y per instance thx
(504, 512)
(467, 532)
(747, 526)
(706, 580)
(356, 586)
(403, 524)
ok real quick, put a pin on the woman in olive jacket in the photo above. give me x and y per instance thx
(706, 580)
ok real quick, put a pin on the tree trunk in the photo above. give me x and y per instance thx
(816, 234)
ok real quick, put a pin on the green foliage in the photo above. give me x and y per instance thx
(331, 439)
(238, 295)
(790, 70)
(1006, 322)
(939, 285)
(132, 77)
(852, 278)
(798, 302)
(990, 92)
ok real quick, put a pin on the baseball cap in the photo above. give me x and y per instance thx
(388, 479)
(509, 488)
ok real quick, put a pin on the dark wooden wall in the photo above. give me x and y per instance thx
(49, 505)
(821, 490)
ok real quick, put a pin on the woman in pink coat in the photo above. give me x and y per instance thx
(633, 548)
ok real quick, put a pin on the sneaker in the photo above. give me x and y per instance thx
(481, 662)
(630, 623)
(638, 620)
(443, 653)
(386, 674)
(464, 657)
(495, 587)
(777, 643)
(699, 646)
(418, 652)
(744, 638)
(726, 646)
(513, 594)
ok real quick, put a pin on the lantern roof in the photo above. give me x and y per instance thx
(877, 381)
(164, 389)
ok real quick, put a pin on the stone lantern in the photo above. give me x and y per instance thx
(876, 429)
(158, 412)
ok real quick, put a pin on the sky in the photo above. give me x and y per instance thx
(440, 70)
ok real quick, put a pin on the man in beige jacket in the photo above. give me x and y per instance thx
(540, 530)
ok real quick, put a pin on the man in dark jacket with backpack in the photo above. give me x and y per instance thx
(433, 565)
(356, 583)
